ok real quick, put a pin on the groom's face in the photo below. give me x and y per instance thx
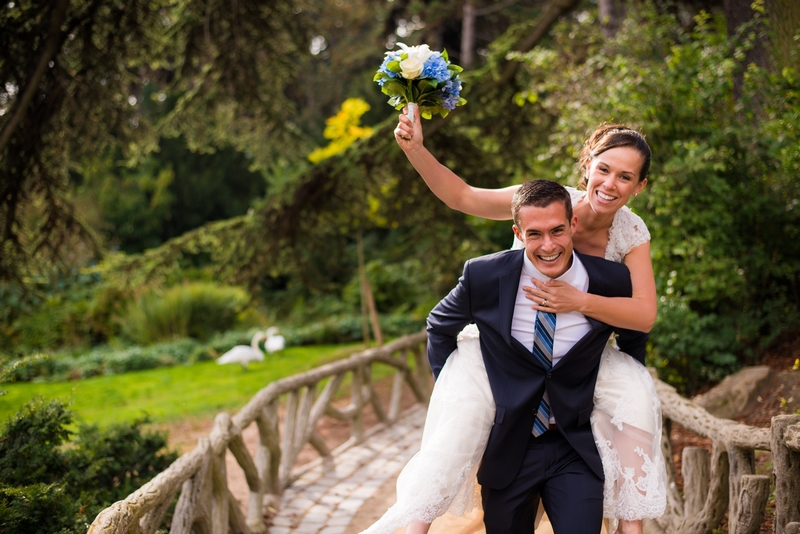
(547, 235)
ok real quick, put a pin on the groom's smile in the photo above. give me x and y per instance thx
(547, 235)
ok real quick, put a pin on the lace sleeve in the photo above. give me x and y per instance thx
(627, 232)
(575, 194)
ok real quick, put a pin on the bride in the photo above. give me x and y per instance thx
(626, 421)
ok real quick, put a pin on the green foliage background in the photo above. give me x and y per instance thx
(178, 198)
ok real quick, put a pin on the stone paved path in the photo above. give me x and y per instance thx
(326, 498)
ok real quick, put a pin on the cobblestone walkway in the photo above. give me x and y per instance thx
(325, 498)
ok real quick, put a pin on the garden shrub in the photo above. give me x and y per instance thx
(349, 328)
(196, 309)
(70, 309)
(105, 360)
(39, 509)
(49, 484)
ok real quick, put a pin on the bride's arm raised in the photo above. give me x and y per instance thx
(636, 313)
(445, 184)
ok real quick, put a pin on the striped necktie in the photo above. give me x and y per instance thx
(544, 332)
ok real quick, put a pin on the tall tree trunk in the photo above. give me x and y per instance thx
(609, 17)
(784, 19)
(368, 309)
(362, 277)
(468, 35)
(738, 12)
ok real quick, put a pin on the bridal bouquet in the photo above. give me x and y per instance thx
(419, 77)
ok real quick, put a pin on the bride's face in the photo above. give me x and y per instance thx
(613, 178)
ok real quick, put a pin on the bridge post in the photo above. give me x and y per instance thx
(752, 502)
(741, 463)
(785, 445)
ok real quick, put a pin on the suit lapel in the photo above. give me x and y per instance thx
(508, 284)
(578, 347)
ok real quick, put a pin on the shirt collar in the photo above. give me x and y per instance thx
(568, 277)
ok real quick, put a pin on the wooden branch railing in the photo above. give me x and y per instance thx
(725, 479)
(714, 483)
(198, 478)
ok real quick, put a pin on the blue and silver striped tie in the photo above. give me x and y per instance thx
(544, 332)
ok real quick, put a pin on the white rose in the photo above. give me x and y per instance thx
(411, 68)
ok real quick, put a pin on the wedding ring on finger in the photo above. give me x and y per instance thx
(544, 303)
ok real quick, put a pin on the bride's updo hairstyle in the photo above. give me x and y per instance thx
(609, 136)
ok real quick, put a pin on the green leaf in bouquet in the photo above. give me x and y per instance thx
(393, 87)
(380, 75)
(397, 101)
(455, 69)
(394, 66)
(427, 85)
(429, 100)
(444, 54)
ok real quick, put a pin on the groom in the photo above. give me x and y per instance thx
(541, 366)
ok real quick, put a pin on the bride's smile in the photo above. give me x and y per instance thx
(613, 178)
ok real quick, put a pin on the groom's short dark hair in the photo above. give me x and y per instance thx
(540, 194)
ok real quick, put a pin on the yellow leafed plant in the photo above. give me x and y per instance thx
(343, 129)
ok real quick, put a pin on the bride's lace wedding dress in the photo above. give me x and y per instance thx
(626, 422)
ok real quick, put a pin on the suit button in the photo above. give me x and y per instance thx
(549, 375)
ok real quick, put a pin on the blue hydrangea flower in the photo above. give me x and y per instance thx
(385, 69)
(436, 67)
(452, 87)
(450, 101)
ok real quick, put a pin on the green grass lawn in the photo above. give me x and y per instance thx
(171, 393)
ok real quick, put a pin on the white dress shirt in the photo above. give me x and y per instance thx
(570, 327)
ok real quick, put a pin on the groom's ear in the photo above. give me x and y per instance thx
(517, 233)
(574, 224)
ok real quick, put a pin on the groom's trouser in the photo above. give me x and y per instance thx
(571, 492)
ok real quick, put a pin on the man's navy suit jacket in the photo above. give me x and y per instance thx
(485, 295)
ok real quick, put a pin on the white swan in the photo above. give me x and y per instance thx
(274, 342)
(243, 354)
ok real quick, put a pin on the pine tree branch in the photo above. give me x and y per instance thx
(51, 47)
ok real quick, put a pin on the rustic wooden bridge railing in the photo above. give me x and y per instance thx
(726, 480)
(205, 503)
(723, 481)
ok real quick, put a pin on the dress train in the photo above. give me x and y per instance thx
(441, 476)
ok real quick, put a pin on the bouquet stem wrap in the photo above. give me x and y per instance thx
(412, 111)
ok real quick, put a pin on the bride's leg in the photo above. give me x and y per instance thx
(628, 527)
(627, 427)
(418, 527)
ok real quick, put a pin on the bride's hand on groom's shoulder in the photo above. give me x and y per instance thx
(553, 296)
(407, 134)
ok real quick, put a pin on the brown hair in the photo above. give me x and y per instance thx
(609, 136)
(540, 193)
